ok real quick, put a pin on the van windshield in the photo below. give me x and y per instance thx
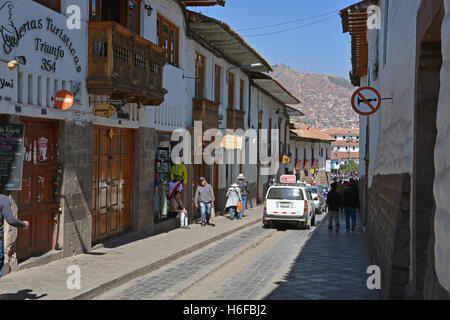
(285, 194)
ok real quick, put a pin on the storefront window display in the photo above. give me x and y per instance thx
(162, 178)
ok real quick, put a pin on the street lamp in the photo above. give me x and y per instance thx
(148, 9)
(20, 60)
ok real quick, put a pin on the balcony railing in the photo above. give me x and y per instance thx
(124, 65)
(235, 119)
(206, 111)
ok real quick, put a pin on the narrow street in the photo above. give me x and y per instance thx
(259, 264)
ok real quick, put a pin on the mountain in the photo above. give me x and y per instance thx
(325, 98)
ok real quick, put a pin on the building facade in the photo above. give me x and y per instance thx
(404, 146)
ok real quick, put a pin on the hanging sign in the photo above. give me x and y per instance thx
(366, 101)
(63, 100)
(11, 156)
(104, 110)
(285, 160)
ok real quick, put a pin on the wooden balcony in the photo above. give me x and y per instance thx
(235, 119)
(206, 111)
(124, 65)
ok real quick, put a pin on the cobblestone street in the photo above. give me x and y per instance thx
(263, 264)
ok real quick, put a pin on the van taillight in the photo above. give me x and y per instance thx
(305, 209)
(265, 204)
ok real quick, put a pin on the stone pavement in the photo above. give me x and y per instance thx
(330, 266)
(116, 263)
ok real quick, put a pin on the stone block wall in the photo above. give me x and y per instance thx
(145, 141)
(388, 231)
(74, 232)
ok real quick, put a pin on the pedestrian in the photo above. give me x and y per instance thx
(177, 208)
(334, 205)
(233, 199)
(351, 203)
(6, 214)
(243, 185)
(204, 198)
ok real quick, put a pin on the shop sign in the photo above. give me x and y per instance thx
(104, 110)
(285, 160)
(8, 84)
(11, 156)
(328, 166)
(63, 99)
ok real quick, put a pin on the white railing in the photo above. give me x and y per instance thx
(167, 118)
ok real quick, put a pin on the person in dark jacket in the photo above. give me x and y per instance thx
(334, 204)
(6, 214)
(351, 203)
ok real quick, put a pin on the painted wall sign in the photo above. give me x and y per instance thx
(366, 101)
(8, 84)
(44, 31)
(63, 99)
(11, 156)
(104, 110)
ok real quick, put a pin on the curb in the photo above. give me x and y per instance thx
(102, 288)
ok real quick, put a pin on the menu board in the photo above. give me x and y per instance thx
(11, 156)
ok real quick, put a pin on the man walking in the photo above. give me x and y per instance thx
(243, 185)
(6, 213)
(351, 203)
(204, 197)
(334, 204)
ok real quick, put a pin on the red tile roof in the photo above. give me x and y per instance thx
(302, 131)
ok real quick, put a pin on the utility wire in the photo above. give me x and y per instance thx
(288, 22)
(287, 30)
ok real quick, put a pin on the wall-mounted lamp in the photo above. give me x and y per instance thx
(148, 9)
(16, 62)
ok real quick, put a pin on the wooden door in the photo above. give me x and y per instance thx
(37, 199)
(113, 157)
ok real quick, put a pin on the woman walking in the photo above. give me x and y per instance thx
(233, 199)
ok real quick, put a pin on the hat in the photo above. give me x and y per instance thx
(202, 178)
(241, 176)
(235, 185)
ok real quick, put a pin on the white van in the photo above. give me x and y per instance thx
(289, 203)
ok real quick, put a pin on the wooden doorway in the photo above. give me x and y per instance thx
(112, 182)
(37, 199)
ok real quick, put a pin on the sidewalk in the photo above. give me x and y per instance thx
(117, 263)
(331, 266)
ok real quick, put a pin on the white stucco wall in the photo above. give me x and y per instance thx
(442, 163)
(391, 129)
(34, 86)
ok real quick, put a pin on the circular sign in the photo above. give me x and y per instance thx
(63, 99)
(366, 101)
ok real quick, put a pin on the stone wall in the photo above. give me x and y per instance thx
(75, 155)
(145, 141)
(388, 231)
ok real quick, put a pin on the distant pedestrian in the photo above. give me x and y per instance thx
(233, 199)
(6, 214)
(351, 203)
(177, 208)
(243, 185)
(334, 205)
(204, 198)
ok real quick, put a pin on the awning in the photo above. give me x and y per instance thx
(275, 89)
(220, 38)
(298, 165)
(203, 3)
(315, 164)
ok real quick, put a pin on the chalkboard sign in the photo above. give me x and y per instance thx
(11, 156)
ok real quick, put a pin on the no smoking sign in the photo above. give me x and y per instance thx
(366, 101)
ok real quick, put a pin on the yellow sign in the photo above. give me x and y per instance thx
(104, 110)
(312, 171)
(285, 160)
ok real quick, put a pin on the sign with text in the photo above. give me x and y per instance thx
(104, 110)
(63, 99)
(11, 156)
(288, 179)
(8, 84)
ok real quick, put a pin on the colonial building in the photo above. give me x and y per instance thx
(345, 148)
(311, 151)
(404, 146)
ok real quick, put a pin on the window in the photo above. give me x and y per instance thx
(217, 83)
(241, 95)
(231, 91)
(168, 39)
(285, 194)
(52, 4)
(200, 76)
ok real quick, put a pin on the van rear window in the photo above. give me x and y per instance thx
(285, 194)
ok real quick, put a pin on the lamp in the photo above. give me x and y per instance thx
(16, 62)
(253, 65)
(149, 9)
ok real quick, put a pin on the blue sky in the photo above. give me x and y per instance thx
(318, 48)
